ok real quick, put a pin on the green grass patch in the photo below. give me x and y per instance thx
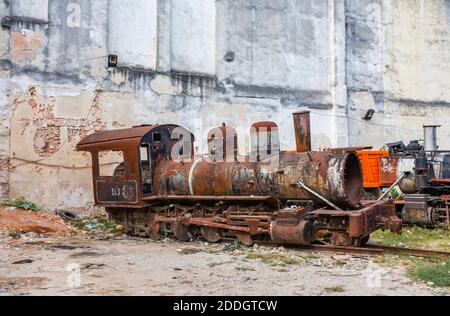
(288, 261)
(434, 270)
(15, 235)
(414, 237)
(273, 259)
(21, 204)
(436, 273)
(96, 226)
(310, 257)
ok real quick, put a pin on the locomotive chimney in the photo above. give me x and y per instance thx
(430, 137)
(302, 129)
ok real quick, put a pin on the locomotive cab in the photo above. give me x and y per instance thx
(123, 161)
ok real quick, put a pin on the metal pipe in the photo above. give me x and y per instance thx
(392, 187)
(302, 129)
(304, 186)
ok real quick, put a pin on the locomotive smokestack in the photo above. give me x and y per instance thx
(302, 129)
(430, 137)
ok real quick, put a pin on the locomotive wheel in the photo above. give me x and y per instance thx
(211, 235)
(181, 232)
(343, 240)
(245, 239)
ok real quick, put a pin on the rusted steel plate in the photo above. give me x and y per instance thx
(208, 198)
(302, 129)
(388, 170)
(115, 135)
(361, 223)
(114, 190)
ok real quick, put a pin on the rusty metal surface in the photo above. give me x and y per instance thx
(127, 186)
(211, 235)
(225, 178)
(94, 140)
(210, 223)
(161, 185)
(338, 178)
(206, 198)
(363, 222)
(302, 130)
(181, 232)
(116, 191)
(292, 233)
(388, 170)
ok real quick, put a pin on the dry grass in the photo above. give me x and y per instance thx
(335, 289)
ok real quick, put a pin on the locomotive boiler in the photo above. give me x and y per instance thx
(289, 197)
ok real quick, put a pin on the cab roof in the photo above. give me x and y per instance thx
(114, 138)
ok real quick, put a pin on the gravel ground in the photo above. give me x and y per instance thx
(39, 265)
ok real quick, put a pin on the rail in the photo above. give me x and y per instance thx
(370, 250)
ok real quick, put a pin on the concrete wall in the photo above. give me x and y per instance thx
(128, 20)
(193, 40)
(32, 9)
(201, 63)
(398, 64)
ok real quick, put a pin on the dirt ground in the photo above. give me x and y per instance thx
(40, 254)
(40, 265)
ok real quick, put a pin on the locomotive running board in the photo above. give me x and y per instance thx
(208, 198)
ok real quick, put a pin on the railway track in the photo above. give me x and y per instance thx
(411, 251)
(370, 250)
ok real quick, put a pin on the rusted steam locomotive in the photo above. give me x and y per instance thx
(289, 197)
(424, 171)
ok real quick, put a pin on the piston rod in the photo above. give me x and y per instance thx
(304, 186)
(392, 187)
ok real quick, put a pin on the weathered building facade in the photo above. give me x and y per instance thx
(199, 63)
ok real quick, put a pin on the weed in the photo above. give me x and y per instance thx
(272, 259)
(15, 235)
(310, 257)
(288, 261)
(245, 269)
(414, 237)
(394, 194)
(430, 270)
(21, 204)
(436, 273)
(96, 225)
(335, 289)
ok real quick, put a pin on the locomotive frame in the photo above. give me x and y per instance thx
(159, 194)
